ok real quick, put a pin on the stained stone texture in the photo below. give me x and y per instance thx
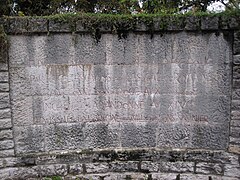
(209, 23)
(37, 25)
(29, 139)
(168, 91)
(138, 135)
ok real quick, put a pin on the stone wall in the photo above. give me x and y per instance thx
(6, 128)
(138, 104)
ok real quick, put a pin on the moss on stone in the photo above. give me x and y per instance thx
(3, 45)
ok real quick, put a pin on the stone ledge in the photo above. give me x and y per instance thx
(152, 154)
(86, 23)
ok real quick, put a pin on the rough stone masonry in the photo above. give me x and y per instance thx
(158, 105)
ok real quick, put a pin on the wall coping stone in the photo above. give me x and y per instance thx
(86, 24)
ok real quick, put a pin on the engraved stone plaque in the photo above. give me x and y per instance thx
(69, 92)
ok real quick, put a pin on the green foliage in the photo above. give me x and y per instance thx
(231, 4)
(50, 7)
(53, 178)
(5, 7)
(56, 178)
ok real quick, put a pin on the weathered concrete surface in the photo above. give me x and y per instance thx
(69, 92)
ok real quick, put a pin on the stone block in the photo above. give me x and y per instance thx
(6, 153)
(29, 139)
(174, 136)
(209, 23)
(236, 72)
(236, 121)
(235, 105)
(76, 169)
(165, 176)
(18, 25)
(201, 177)
(37, 25)
(4, 77)
(28, 51)
(235, 115)
(209, 168)
(21, 113)
(176, 167)
(235, 132)
(236, 94)
(82, 136)
(120, 52)
(97, 168)
(10, 162)
(54, 159)
(53, 170)
(192, 23)
(4, 66)
(80, 27)
(102, 28)
(4, 100)
(140, 134)
(234, 149)
(175, 23)
(236, 43)
(218, 157)
(64, 136)
(3, 47)
(94, 53)
(232, 170)
(5, 113)
(8, 173)
(141, 26)
(138, 155)
(4, 87)
(61, 25)
(234, 140)
(229, 22)
(236, 59)
(6, 134)
(149, 167)
(130, 166)
(102, 135)
(5, 123)
(107, 176)
(228, 178)
(6, 144)
(212, 137)
(23, 172)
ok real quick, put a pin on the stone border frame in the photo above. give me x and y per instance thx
(128, 164)
(234, 141)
